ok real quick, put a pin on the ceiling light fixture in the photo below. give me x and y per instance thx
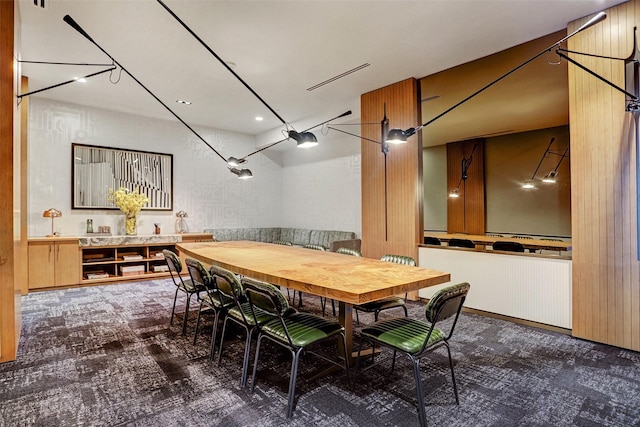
(259, 118)
(399, 135)
(304, 139)
(551, 176)
(233, 162)
(182, 101)
(241, 173)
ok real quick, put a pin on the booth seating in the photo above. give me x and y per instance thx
(331, 240)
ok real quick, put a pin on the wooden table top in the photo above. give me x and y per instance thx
(350, 279)
(488, 240)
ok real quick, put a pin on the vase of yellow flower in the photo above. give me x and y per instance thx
(129, 202)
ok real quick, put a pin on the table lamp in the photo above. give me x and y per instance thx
(51, 213)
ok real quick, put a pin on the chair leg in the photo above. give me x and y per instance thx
(224, 328)
(357, 317)
(245, 361)
(333, 306)
(323, 304)
(453, 376)
(416, 373)
(406, 313)
(195, 337)
(186, 315)
(346, 357)
(393, 361)
(173, 310)
(292, 382)
(216, 316)
(255, 363)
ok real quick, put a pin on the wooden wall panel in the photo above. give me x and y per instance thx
(9, 332)
(391, 223)
(606, 271)
(466, 214)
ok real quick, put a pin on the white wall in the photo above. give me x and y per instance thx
(203, 187)
(317, 188)
(321, 186)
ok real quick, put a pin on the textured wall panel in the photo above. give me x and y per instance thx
(606, 285)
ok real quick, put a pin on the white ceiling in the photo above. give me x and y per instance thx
(279, 48)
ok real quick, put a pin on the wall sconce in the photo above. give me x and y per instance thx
(51, 213)
(304, 139)
(551, 176)
(241, 173)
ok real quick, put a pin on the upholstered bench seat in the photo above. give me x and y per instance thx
(330, 239)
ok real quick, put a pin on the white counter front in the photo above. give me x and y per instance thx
(526, 287)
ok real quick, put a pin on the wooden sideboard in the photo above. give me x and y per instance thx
(71, 261)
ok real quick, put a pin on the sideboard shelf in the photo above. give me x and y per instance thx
(71, 261)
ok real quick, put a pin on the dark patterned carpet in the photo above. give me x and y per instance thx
(105, 356)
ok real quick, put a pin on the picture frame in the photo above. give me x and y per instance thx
(96, 170)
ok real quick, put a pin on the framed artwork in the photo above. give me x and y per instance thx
(96, 170)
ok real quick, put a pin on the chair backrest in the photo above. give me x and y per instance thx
(507, 246)
(173, 262)
(227, 283)
(282, 242)
(432, 241)
(265, 296)
(315, 247)
(399, 259)
(349, 251)
(443, 304)
(461, 243)
(198, 273)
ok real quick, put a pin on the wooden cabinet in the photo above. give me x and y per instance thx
(124, 262)
(53, 262)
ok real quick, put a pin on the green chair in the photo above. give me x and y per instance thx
(240, 313)
(212, 300)
(349, 251)
(183, 284)
(415, 338)
(294, 331)
(387, 303)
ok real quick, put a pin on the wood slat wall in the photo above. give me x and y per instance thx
(606, 273)
(394, 225)
(466, 214)
(9, 332)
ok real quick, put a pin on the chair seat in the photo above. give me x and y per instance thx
(187, 286)
(245, 309)
(304, 329)
(382, 304)
(215, 302)
(403, 333)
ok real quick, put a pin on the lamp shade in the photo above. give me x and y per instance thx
(304, 139)
(397, 136)
(550, 177)
(233, 162)
(51, 213)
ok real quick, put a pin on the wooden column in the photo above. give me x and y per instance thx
(9, 124)
(606, 270)
(466, 213)
(392, 205)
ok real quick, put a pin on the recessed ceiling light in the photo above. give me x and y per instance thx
(80, 79)
(259, 118)
(182, 101)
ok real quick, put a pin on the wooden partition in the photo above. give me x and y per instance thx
(606, 273)
(466, 213)
(392, 196)
(9, 126)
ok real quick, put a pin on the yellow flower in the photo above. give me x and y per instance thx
(129, 202)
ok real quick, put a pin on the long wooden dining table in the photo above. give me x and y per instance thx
(347, 279)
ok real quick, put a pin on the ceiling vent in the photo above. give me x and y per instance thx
(41, 4)
(339, 76)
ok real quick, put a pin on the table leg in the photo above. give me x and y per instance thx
(345, 317)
